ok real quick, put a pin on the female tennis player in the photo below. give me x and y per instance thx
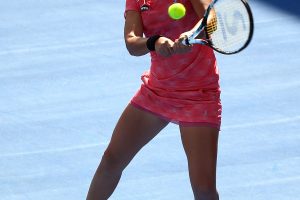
(182, 86)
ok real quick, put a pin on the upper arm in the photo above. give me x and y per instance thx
(200, 6)
(133, 34)
(133, 25)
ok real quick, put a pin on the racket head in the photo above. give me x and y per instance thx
(228, 25)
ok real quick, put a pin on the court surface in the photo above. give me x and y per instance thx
(65, 77)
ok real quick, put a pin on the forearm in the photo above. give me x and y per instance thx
(199, 7)
(196, 26)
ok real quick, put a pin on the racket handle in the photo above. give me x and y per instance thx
(186, 42)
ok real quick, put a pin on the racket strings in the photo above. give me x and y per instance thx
(212, 23)
(228, 25)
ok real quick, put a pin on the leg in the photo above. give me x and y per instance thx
(134, 129)
(200, 145)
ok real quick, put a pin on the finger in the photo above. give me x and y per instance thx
(177, 48)
(169, 48)
(165, 52)
(170, 51)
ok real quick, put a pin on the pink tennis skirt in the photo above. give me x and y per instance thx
(201, 107)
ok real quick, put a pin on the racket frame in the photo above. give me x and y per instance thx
(192, 39)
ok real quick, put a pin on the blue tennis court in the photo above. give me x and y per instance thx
(65, 77)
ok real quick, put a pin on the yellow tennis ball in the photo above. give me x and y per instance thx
(176, 11)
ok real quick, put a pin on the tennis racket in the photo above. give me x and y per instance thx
(227, 27)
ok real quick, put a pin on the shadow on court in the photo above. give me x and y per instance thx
(290, 6)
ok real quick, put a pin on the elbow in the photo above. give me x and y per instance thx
(130, 46)
(132, 50)
(135, 46)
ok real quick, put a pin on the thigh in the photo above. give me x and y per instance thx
(134, 129)
(201, 146)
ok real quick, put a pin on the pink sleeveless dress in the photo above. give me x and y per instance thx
(183, 88)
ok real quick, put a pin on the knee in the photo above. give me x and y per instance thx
(206, 195)
(111, 163)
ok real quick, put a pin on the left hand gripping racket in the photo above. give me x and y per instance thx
(227, 27)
